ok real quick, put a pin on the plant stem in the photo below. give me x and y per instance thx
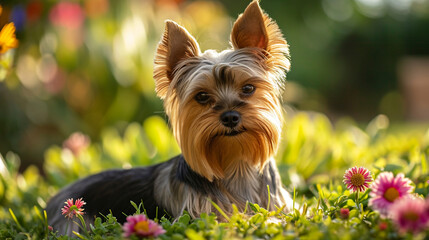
(357, 201)
(67, 226)
(83, 225)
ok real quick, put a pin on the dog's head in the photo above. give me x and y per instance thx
(224, 107)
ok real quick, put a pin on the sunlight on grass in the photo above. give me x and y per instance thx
(312, 160)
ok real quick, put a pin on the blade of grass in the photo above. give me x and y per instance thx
(304, 209)
(46, 221)
(14, 218)
(78, 235)
(220, 210)
(294, 195)
(136, 207)
(39, 215)
(269, 198)
(46, 217)
(144, 209)
(156, 215)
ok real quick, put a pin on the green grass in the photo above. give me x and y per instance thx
(312, 159)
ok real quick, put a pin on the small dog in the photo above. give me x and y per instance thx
(226, 115)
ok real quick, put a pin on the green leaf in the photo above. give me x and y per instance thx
(137, 208)
(193, 235)
(184, 219)
(255, 207)
(392, 168)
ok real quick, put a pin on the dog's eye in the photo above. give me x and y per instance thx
(202, 97)
(248, 89)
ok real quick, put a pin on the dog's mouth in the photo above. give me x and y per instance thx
(234, 132)
(230, 133)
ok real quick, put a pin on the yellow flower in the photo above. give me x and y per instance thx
(7, 38)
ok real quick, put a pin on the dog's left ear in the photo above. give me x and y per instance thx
(175, 46)
(255, 29)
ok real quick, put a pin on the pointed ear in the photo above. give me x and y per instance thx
(249, 29)
(254, 28)
(176, 45)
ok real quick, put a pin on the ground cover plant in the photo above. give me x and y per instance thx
(67, 65)
(348, 182)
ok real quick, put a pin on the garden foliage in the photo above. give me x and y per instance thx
(88, 65)
(312, 161)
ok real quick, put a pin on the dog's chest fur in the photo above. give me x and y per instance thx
(195, 194)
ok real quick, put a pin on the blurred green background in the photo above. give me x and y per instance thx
(86, 66)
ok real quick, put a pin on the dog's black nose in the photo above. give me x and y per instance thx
(230, 119)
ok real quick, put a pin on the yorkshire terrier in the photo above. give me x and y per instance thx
(225, 113)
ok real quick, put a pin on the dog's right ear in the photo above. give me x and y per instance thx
(176, 45)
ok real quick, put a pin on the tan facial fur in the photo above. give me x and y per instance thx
(259, 58)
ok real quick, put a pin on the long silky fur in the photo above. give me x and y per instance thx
(214, 166)
(195, 127)
(167, 189)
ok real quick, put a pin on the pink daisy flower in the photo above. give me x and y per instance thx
(410, 214)
(141, 226)
(357, 179)
(70, 210)
(386, 189)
